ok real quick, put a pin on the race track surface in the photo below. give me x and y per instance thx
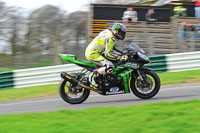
(56, 103)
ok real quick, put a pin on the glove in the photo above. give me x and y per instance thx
(123, 57)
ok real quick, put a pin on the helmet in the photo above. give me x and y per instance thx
(119, 30)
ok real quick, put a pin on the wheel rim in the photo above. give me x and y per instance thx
(145, 89)
(73, 92)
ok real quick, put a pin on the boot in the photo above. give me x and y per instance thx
(92, 77)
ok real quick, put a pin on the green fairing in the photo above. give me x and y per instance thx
(127, 77)
(129, 81)
(72, 58)
(125, 84)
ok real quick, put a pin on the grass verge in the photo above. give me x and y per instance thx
(177, 117)
(7, 69)
(179, 77)
(39, 91)
(28, 92)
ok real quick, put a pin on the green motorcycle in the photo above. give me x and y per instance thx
(74, 88)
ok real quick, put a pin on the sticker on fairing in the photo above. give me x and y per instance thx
(115, 90)
(143, 56)
(67, 77)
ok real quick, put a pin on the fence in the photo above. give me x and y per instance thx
(159, 38)
(51, 75)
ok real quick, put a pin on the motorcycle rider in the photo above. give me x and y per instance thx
(100, 50)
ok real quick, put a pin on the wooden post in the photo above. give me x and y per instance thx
(174, 31)
(192, 42)
(90, 19)
(150, 45)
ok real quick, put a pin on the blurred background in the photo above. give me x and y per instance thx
(33, 35)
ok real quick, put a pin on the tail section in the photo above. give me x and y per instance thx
(72, 58)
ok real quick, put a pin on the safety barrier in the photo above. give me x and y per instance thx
(6, 80)
(41, 75)
(175, 62)
(183, 61)
(51, 75)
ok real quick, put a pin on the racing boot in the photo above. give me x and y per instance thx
(93, 77)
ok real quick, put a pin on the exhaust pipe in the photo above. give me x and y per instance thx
(72, 80)
(69, 78)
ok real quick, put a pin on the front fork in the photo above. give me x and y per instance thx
(143, 78)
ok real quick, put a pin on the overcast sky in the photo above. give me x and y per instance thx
(68, 5)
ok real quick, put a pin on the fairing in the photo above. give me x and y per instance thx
(72, 58)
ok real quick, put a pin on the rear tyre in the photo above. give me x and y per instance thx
(72, 94)
(151, 86)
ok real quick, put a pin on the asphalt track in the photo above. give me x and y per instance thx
(56, 103)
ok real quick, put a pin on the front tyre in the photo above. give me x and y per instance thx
(72, 94)
(146, 88)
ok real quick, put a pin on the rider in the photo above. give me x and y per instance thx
(100, 50)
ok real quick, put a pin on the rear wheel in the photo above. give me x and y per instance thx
(72, 94)
(148, 87)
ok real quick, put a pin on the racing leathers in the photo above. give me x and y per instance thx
(102, 44)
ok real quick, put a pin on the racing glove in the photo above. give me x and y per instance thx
(123, 57)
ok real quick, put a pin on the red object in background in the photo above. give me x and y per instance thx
(125, 22)
(197, 3)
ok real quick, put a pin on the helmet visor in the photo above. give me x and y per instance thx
(121, 34)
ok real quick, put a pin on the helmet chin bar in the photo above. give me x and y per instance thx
(119, 37)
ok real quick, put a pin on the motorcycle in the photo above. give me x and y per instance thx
(126, 77)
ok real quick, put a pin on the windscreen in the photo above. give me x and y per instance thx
(136, 47)
(124, 44)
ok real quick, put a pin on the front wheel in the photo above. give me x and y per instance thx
(147, 86)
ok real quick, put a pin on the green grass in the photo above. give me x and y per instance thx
(28, 92)
(177, 117)
(180, 77)
(39, 91)
(7, 69)
(41, 64)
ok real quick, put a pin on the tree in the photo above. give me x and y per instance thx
(45, 29)
(45, 33)
(77, 26)
(10, 30)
